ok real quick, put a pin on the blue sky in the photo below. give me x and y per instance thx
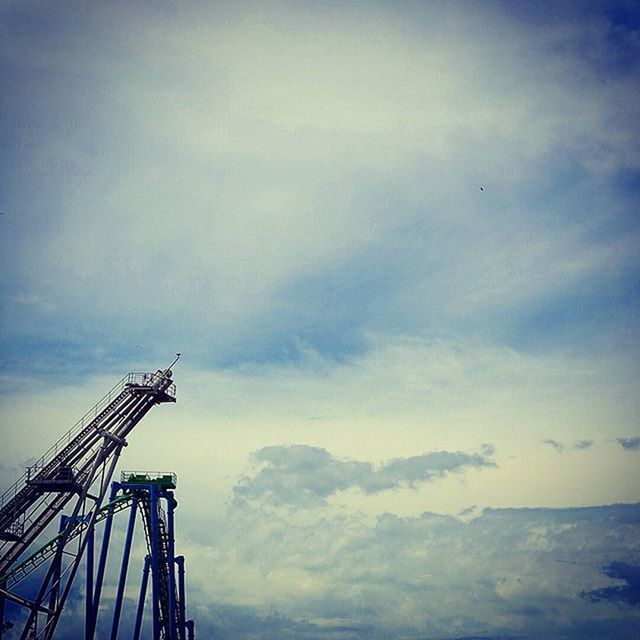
(382, 235)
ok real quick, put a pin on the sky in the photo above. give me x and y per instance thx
(398, 246)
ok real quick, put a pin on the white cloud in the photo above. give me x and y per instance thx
(502, 573)
(237, 152)
(304, 476)
(401, 398)
(266, 185)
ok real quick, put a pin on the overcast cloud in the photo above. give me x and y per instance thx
(382, 235)
(245, 186)
(545, 572)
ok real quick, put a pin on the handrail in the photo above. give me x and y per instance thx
(138, 379)
(65, 439)
(142, 477)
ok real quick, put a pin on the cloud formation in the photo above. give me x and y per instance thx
(632, 444)
(628, 594)
(507, 572)
(289, 194)
(561, 447)
(304, 476)
(314, 187)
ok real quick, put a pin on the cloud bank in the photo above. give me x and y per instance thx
(195, 178)
(289, 194)
(505, 573)
(300, 475)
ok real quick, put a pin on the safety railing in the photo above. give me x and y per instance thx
(139, 379)
(161, 478)
(150, 380)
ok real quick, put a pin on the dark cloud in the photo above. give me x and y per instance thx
(561, 447)
(427, 577)
(555, 444)
(628, 594)
(229, 622)
(305, 476)
(632, 444)
(482, 638)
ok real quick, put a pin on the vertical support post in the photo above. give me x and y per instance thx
(89, 583)
(52, 620)
(143, 595)
(102, 563)
(181, 597)
(171, 505)
(126, 553)
(51, 582)
(51, 624)
(155, 565)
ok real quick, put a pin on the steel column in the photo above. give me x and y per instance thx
(181, 597)
(142, 598)
(126, 553)
(89, 583)
(102, 563)
(155, 566)
(51, 626)
(171, 505)
(53, 619)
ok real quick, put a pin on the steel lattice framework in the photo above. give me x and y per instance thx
(75, 475)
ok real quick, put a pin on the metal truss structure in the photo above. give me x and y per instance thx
(75, 474)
